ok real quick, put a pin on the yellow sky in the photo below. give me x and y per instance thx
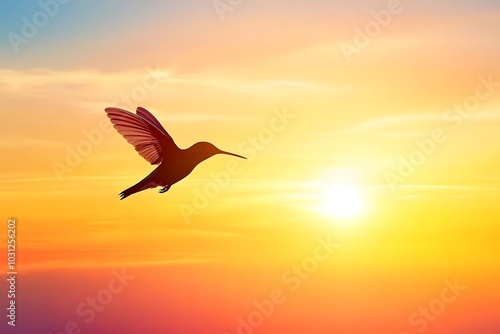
(359, 119)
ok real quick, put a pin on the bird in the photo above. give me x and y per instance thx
(154, 144)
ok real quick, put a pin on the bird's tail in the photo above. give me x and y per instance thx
(144, 184)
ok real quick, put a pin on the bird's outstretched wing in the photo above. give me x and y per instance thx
(144, 132)
(142, 112)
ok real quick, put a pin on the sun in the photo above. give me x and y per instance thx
(343, 201)
(340, 194)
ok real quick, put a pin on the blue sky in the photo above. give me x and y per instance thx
(88, 26)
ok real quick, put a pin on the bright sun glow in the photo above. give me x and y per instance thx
(343, 201)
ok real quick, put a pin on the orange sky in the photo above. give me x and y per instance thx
(225, 82)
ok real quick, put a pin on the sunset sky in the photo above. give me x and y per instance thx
(371, 125)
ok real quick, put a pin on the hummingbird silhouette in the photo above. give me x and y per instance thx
(154, 144)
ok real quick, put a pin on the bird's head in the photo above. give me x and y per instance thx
(204, 150)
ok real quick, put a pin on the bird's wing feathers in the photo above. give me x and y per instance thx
(151, 142)
(145, 114)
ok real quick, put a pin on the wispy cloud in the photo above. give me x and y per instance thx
(19, 141)
(412, 124)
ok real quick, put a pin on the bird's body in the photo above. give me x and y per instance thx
(154, 144)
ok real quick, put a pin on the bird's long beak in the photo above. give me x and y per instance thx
(234, 155)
